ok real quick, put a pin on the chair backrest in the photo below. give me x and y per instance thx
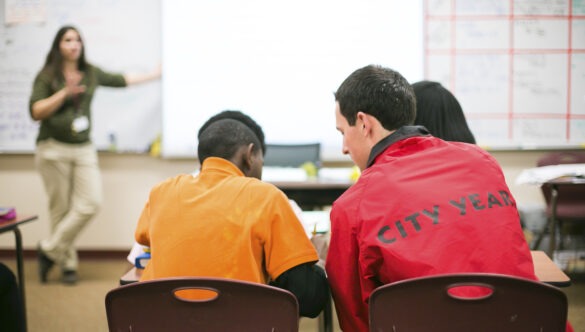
(571, 199)
(426, 304)
(292, 155)
(561, 157)
(230, 305)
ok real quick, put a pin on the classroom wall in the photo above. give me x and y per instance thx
(114, 40)
(127, 179)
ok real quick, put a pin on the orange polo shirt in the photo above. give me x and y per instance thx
(220, 223)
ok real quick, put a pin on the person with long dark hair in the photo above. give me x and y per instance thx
(65, 156)
(438, 110)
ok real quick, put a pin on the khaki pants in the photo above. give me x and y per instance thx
(72, 181)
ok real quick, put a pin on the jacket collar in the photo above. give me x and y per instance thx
(398, 135)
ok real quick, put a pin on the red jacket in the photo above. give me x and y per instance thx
(423, 206)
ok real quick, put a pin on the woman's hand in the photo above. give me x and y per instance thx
(155, 74)
(72, 86)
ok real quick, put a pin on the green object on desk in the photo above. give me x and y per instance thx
(310, 168)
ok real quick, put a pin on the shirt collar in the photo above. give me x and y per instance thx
(216, 164)
(398, 135)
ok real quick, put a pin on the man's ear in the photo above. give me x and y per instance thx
(247, 158)
(371, 128)
(364, 123)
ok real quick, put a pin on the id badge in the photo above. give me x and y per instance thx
(79, 124)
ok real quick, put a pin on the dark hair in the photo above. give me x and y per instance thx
(440, 112)
(241, 117)
(222, 138)
(54, 61)
(380, 92)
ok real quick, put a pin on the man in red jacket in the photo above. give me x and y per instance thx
(422, 206)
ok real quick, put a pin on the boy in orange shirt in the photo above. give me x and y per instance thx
(226, 222)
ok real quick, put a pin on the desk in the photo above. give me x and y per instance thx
(12, 225)
(133, 275)
(556, 185)
(547, 271)
(313, 193)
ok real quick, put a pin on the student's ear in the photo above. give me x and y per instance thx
(248, 159)
(363, 122)
(255, 161)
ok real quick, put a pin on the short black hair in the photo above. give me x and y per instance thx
(222, 138)
(380, 92)
(241, 117)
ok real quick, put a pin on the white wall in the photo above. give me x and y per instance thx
(127, 179)
(278, 62)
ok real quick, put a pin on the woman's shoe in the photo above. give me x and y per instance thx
(45, 264)
(69, 277)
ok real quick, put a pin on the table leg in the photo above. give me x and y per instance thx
(553, 222)
(536, 244)
(20, 268)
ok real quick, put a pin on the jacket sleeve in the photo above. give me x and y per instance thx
(308, 283)
(343, 272)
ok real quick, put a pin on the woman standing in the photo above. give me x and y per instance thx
(65, 156)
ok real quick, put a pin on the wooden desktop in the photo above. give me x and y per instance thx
(545, 269)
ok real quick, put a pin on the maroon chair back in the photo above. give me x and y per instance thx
(230, 305)
(426, 304)
(561, 157)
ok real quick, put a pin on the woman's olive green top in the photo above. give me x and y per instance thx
(64, 125)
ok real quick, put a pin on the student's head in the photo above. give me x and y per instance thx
(243, 118)
(371, 103)
(67, 46)
(439, 111)
(234, 141)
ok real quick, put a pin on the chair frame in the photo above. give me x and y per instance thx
(424, 304)
(292, 155)
(238, 306)
(565, 201)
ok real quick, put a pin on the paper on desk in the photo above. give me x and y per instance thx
(335, 173)
(270, 174)
(137, 250)
(313, 221)
(540, 175)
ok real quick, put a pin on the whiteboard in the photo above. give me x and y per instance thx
(517, 68)
(279, 62)
(120, 36)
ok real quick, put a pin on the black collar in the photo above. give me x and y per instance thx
(398, 135)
